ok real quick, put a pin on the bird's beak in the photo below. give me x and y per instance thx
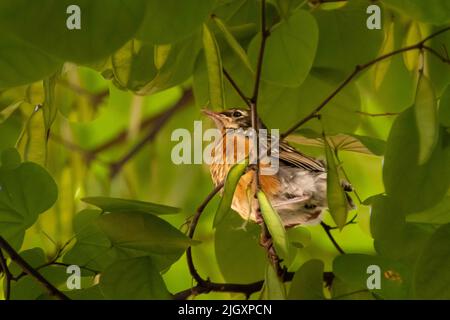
(216, 116)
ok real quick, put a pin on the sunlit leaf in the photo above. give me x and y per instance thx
(337, 201)
(413, 36)
(382, 67)
(274, 225)
(232, 180)
(214, 67)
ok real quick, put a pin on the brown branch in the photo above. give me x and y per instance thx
(437, 54)
(359, 68)
(327, 229)
(116, 166)
(191, 232)
(31, 271)
(8, 275)
(236, 87)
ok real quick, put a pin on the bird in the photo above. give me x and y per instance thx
(297, 190)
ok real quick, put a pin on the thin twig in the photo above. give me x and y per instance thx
(356, 71)
(236, 87)
(327, 229)
(384, 114)
(191, 232)
(31, 271)
(8, 275)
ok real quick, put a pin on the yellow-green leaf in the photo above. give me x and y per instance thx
(214, 66)
(161, 53)
(425, 110)
(273, 288)
(382, 67)
(337, 202)
(413, 36)
(275, 226)
(231, 182)
(232, 42)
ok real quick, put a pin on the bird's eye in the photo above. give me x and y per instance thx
(237, 114)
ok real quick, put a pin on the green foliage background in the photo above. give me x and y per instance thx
(102, 90)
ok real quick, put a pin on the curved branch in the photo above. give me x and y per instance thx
(359, 68)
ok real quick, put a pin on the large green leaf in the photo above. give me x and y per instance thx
(143, 232)
(122, 205)
(172, 20)
(307, 283)
(337, 201)
(344, 40)
(444, 108)
(274, 225)
(21, 64)
(273, 288)
(135, 278)
(439, 214)
(426, 183)
(290, 50)
(42, 24)
(431, 274)
(239, 255)
(434, 12)
(26, 190)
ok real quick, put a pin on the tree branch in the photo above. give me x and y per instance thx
(327, 229)
(359, 68)
(236, 87)
(31, 271)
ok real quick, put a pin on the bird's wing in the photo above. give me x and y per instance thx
(294, 158)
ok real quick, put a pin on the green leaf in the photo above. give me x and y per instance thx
(439, 214)
(20, 63)
(144, 232)
(133, 279)
(437, 12)
(344, 40)
(337, 201)
(173, 20)
(49, 107)
(232, 42)
(290, 50)
(95, 250)
(232, 180)
(10, 159)
(122, 205)
(26, 191)
(274, 225)
(273, 288)
(425, 109)
(444, 108)
(307, 283)
(285, 7)
(48, 32)
(239, 256)
(214, 67)
(431, 273)
(133, 65)
(91, 293)
(353, 270)
(427, 184)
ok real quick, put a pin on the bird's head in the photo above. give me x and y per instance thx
(230, 118)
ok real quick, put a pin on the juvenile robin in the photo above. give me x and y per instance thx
(297, 190)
